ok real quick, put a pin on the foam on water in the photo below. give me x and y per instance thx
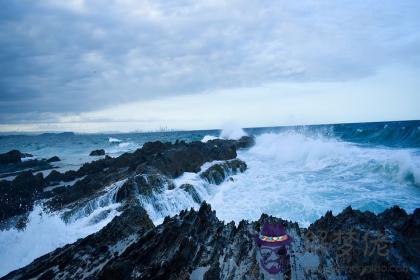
(232, 131)
(114, 140)
(122, 147)
(299, 177)
(171, 201)
(209, 138)
(44, 233)
(296, 175)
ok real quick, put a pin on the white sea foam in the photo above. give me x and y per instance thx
(299, 177)
(122, 147)
(293, 175)
(44, 233)
(232, 131)
(171, 201)
(208, 138)
(114, 140)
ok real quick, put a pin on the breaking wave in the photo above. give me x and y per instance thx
(114, 140)
(232, 131)
(299, 176)
(44, 233)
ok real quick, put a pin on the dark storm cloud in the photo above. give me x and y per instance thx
(77, 56)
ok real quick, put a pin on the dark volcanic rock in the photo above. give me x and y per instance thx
(217, 173)
(13, 156)
(54, 176)
(191, 190)
(143, 184)
(100, 152)
(166, 159)
(11, 163)
(198, 240)
(53, 159)
(245, 142)
(18, 196)
(181, 244)
(86, 257)
(377, 245)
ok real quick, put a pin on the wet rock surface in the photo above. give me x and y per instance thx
(217, 173)
(11, 163)
(350, 245)
(86, 257)
(100, 152)
(53, 159)
(198, 240)
(13, 156)
(166, 159)
(145, 170)
(18, 196)
(191, 191)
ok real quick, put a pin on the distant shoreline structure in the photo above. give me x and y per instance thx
(165, 129)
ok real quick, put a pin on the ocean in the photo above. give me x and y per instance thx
(296, 173)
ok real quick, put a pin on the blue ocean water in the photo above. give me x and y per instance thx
(74, 149)
(296, 173)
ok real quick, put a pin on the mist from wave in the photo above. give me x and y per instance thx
(299, 175)
(45, 232)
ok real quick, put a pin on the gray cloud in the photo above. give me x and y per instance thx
(77, 56)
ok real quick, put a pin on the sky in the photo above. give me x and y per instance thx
(129, 65)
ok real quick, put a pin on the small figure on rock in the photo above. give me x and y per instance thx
(272, 254)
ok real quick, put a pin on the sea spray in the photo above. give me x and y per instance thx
(44, 233)
(299, 176)
(232, 131)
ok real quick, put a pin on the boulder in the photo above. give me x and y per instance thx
(169, 160)
(218, 172)
(100, 152)
(53, 159)
(191, 191)
(18, 196)
(13, 156)
(54, 177)
(144, 184)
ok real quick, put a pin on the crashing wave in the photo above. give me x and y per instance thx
(44, 233)
(114, 140)
(232, 132)
(209, 138)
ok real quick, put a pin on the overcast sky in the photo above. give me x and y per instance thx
(94, 65)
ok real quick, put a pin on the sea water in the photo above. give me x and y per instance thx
(296, 173)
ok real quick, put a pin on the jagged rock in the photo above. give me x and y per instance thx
(100, 152)
(217, 173)
(167, 159)
(245, 142)
(377, 242)
(14, 169)
(18, 196)
(86, 257)
(13, 156)
(191, 190)
(143, 184)
(53, 159)
(198, 240)
(54, 176)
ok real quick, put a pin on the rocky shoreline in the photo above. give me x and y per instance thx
(131, 247)
(195, 243)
